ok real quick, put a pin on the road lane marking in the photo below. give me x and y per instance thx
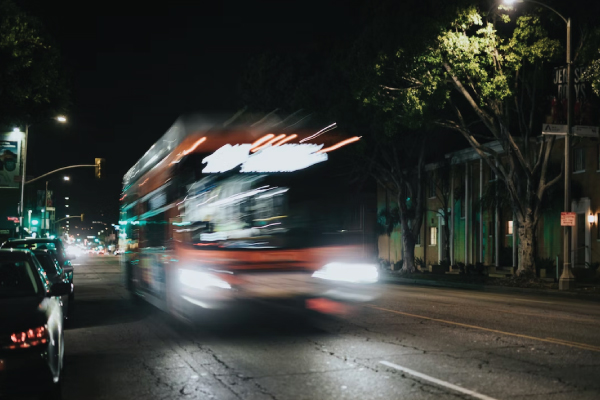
(548, 340)
(536, 301)
(437, 381)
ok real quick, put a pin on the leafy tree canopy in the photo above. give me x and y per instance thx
(32, 84)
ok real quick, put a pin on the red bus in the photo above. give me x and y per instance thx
(222, 211)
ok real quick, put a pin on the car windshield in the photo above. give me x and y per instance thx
(48, 263)
(17, 279)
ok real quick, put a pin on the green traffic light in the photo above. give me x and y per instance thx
(34, 222)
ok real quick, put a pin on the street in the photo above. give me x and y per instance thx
(412, 343)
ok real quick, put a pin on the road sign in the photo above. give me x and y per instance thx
(587, 131)
(50, 209)
(567, 219)
(553, 129)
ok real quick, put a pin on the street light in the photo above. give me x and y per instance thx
(567, 279)
(60, 119)
(66, 178)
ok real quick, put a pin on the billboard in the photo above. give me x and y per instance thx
(40, 199)
(586, 103)
(10, 158)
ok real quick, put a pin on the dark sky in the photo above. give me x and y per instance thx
(135, 67)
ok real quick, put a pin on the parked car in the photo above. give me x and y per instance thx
(42, 244)
(56, 274)
(31, 326)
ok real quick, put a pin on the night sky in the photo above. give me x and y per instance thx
(135, 67)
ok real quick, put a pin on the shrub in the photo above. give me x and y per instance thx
(384, 264)
(479, 268)
(420, 263)
(470, 269)
(398, 265)
(593, 266)
(545, 263)
(446, 264)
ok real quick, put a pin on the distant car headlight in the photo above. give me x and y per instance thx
(344, 272)
(201, 280)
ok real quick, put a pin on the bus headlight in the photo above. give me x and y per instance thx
(201, 280)
(353, 273)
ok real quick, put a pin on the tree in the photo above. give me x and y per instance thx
(32, 84)
(480, 76)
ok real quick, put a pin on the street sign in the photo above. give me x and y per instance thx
(50, 208)
(587, 131)
(567, 219)
(553, 129)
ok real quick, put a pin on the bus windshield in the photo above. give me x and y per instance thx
(297, 209)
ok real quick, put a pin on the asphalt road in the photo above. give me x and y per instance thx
(412, 343)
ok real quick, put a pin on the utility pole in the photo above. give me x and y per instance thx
(23, 175)
(567, 279)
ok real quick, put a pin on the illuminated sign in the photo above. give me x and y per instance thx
(284, 158)
(13, 219)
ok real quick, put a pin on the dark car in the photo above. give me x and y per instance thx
(55, 245)
(56, 274)
(31, 326)
(41, 244)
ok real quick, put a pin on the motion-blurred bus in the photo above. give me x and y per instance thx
(224, 211)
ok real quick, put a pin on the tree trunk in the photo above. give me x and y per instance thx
(526, 247)
(408, 245)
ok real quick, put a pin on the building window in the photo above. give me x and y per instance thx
(579, 159)
(509, 228)
(431, 186)
(433, 231)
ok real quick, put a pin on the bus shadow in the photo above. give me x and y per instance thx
(102, 312)
(261, 321)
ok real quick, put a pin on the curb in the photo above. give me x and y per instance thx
(489, 288)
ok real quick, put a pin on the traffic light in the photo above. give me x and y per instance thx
(99, 164)
(34, 222)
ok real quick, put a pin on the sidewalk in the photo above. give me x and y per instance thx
(580, 294)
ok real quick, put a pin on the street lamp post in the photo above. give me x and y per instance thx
(60, 119)
(23, 175)
(567, 279)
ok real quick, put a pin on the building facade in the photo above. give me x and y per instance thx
(481, 226)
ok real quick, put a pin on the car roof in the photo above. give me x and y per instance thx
(18, 253)
(33, 240)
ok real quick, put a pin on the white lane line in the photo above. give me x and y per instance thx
(437, 381)
(535, 301)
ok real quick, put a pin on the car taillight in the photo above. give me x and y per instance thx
(29, 338)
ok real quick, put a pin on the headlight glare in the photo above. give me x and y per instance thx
(201, 280)
(344, 272)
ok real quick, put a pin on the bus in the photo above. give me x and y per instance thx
(223, 211)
